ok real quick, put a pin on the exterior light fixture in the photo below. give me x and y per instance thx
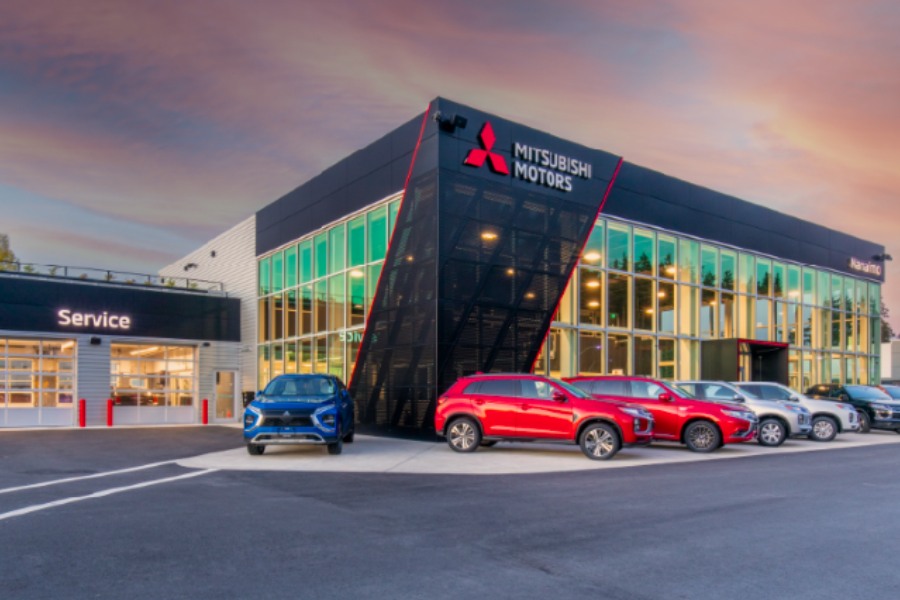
(510, 271)
(530, 295)
(593, 304)
(489, 236)
(593, 284)
(592, 256)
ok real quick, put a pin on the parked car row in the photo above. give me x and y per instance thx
(601, 414)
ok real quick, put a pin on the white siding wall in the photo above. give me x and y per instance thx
(234, 265)
(218, 356)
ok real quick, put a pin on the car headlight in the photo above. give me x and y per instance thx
(740, 414)
(640, 413)
(326, 417)
(252, 417)
(881, 411)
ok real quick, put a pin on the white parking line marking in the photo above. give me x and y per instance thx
(36, 507)
(83, 477)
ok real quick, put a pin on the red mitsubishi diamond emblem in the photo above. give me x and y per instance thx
(477, 156)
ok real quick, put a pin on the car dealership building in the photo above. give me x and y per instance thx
(462, 242)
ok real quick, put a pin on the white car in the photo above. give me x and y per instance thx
(828, 418)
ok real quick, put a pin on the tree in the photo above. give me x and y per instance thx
(887, 331)
(7, 257)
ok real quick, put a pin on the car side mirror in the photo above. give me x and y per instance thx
(665, 397)
(559, 397)
(844, 398)
(738, 398)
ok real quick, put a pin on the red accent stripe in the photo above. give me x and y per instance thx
(393, 231)
(583, 245)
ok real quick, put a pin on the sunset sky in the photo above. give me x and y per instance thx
(131, 131)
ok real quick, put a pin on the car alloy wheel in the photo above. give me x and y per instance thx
(702, 436)
(771, 432)
(463, 435)
(599, 442)
(823, 429)
(865, 426)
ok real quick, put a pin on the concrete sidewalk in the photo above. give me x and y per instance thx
(388, 455)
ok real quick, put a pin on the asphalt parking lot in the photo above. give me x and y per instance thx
(183, 513)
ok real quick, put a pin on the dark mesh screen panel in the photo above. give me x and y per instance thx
(506, 257)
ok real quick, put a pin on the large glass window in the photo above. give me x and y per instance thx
(643, 304)
(590, 354)
(643, 355)
(356, 306)
(321, 255)
(644, 260)
(305, 251)
(688, 310)
(378, 239)
(763, 277)
(336, 245)
(617, 354)
(265, 276)
(778, 280)
(688, 261)
(666, 361)
(593, 250)
(290, 267)
(726, 316)
(151, 375)
(591, 296)
(666, 246)
(356, 241)
(747, 274)
(763, 319)
(666, 312)
(709, 266)
(277, 271)
(619, 247)
(618, 300)
(708, 312)
(727, 262)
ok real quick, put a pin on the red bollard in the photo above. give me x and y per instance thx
(82, 413)
(204, 412)
(109, 412)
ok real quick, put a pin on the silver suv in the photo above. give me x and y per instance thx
(828, 418)
(777, 420)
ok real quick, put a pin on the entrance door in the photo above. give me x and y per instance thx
(226, 396)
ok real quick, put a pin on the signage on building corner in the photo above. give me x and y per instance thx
(104, 320)
(539, 166)
(863, 266)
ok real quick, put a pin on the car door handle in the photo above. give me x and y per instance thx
(479, 402)
(526, 406)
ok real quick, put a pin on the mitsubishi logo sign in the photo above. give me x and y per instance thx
(477, 156)
(532, 164)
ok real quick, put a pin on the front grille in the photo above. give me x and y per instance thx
(279, 419)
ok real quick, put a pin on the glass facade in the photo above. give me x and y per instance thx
(648, 302)
(641, 301)
(313, 322)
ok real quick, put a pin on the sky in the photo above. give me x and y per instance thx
(132, 131)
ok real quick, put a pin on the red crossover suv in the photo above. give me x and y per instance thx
(701, 426)
(483, 409)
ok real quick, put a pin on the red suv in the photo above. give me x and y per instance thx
(701, 426)
(480, 410)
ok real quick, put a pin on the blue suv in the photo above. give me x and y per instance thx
(300, 409)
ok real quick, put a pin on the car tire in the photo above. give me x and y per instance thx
(865, 425)
(824, 429)
(600, 441)
(463, 435)
(255, 449)
(702, 436)
(771, 433)
(337, 447)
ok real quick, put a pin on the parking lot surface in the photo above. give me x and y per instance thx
(116, 515)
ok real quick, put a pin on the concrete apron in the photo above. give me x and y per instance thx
(387, 455)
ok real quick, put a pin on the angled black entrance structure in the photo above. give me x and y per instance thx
(493, 220)
(736, 359)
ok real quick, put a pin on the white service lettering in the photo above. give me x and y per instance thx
(104, 319)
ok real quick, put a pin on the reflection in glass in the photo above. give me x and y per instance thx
(666, 362)
(643, 304)
(617, 354)
(708, 311)
(643, 252)
(591, 296)
(708, 266)
(665, 298)
(727, 260)
(590, 352)
(666, 246)
(619, 246)
(643, 355)
(618, 300)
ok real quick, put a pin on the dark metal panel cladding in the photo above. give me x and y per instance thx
(450, 301)
(651, 197)
(362, 178)
(28, 304)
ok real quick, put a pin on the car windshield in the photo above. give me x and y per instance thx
(571, 389)
(864, 392)
(300, 386)
(683, 391)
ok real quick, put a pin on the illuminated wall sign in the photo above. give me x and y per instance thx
(867, 267)
(530, 163)
(70, 318)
